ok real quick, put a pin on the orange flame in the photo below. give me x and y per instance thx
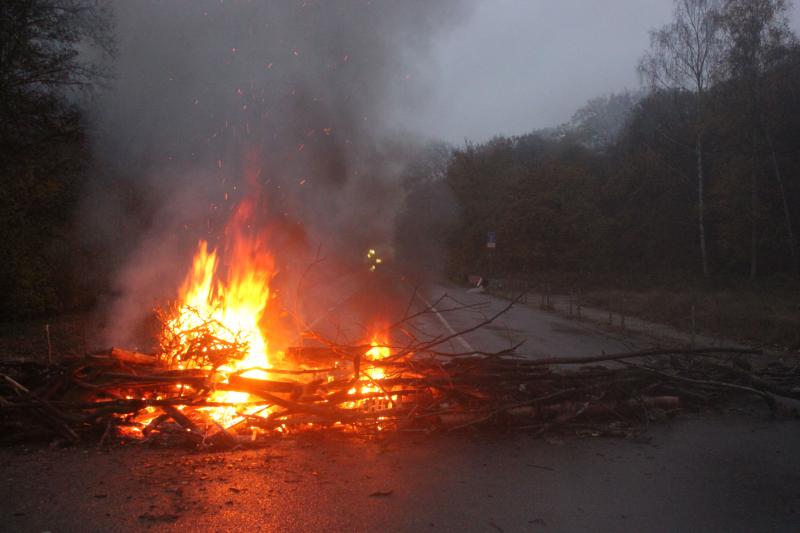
(217, 324)
(378, 396)
(229, 298)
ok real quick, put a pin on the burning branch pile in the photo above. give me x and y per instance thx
(370, 389)
(215, 380)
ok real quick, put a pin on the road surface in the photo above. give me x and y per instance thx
(712, 472)
(542, 333)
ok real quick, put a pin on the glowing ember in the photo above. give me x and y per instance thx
(378, 351)
(374, 396)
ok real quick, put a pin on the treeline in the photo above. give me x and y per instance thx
(697, 176)
(45, 72)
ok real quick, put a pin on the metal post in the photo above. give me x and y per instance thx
(49, 345)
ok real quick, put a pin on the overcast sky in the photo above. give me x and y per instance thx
(516, 65)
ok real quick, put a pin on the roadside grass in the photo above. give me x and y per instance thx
(764, 313)
(751, 316)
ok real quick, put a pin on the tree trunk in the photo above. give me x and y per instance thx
(701, 206)
(787, 215)
(753, 214)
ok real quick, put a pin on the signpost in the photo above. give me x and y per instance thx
(491, 244)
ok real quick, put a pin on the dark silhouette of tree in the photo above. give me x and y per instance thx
(51, 52)
(46, 50)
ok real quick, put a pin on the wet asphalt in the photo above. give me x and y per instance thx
(731, 471)
(718, 473)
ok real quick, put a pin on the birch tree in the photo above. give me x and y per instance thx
(686, 54)
(757, 34)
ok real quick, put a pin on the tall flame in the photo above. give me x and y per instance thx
(218, 325)
(228, 298)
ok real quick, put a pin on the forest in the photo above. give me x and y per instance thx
(692, 178)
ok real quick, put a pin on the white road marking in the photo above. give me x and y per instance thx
(446, 324)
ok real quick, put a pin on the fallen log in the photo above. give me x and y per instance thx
(137, 358)
(240, 383)
(601, 408)
(48, 415)
(548, 361)
(324, 354)
(418, 392)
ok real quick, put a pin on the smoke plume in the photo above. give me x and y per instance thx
(217, 99)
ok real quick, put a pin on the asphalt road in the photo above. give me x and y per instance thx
(715, 472)
(542, 333)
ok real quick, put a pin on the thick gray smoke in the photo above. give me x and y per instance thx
(215, 99)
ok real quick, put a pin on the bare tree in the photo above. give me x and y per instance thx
(686, 54)
(47, 52)
(757, 35)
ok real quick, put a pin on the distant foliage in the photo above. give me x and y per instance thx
(598, 124)
(429, 209)
(699, 175)
(559, 206)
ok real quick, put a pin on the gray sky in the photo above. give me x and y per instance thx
(518, 65)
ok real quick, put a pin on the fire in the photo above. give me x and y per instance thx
(217, 326)
(219, 313)
(379, 350)
(370, 386)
